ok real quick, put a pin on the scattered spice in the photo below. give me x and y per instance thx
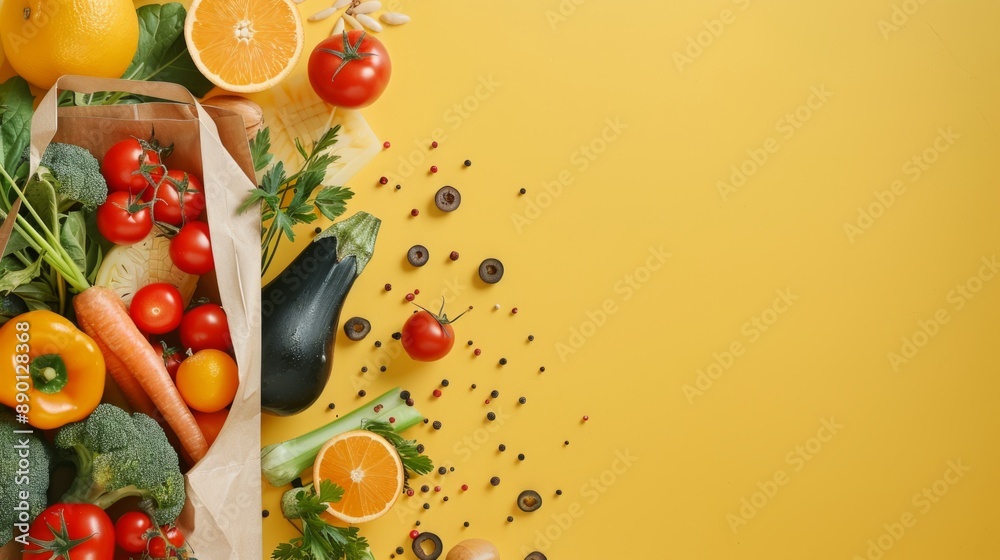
(386, 145)
(383, 180)
(522, 400)
(477, 351)
(503, 361)
(397, 335)
(414, 212)
(465, 487)
(468, 163)
(434, 144)
(513, 311)
(442, 471)
(466, 524)
(444, 383)
(495, 481)
(362, 393)
(399, 549)
(453, 256)
(425, 488)
(469, 343)
(331, 406)
(520, 456)
(437, 488)
(585, 417)
(265, 513)
(410, 297)
(378, 344)
(558, 492)
(531, 338)
(502, 448)
(434, 169)
(403, 395)
(388, 287)
(491, 416)
(494, 393)
(436, 425)
(414, 534)
(437, 392)
(510, 519)
(522, 191)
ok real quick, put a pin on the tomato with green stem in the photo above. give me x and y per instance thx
(126, 163)
(123, 220)
(179, 198)
(132, 531)
(350, 70)
(427, 336)
(164, 544)
(76, 531)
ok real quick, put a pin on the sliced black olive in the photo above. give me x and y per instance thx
(418, 548)
(529, 501)
(448, 199)
(418, 255)
(491, 271)
(535, 556)
(356, 328)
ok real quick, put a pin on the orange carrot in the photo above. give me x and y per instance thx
(137, 399)
(103, 316)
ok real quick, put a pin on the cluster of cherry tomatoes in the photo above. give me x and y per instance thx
(143, 192)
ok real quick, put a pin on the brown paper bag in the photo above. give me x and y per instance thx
(222, 516)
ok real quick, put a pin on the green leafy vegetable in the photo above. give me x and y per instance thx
(16, 104)
(319, 540)
(162, 55)
(287, 201)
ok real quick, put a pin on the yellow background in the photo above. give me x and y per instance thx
(696, 91)
(557, 83)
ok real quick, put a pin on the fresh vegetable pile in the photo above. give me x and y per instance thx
(65, 336)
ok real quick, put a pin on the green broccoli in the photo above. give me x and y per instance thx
(75, 176)
(24, 477)
(118, 456)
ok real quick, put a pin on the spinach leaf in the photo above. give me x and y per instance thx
(73, 238)
(14, 274)
(15, 121)
(162, 54)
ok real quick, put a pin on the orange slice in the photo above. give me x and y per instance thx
(367, 467)
(244, 45)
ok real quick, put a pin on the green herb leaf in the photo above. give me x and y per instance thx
(414, 462)
(14, 274)
(260, 150)
(41, 195)
(16, 104)
(73, 237)
(320, 540)
(162, 54)
(332, 201)
(16, 243)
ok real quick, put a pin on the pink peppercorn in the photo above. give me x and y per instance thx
(434, 169)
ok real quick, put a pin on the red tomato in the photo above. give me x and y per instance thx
(427, 337)
(123, 162)
(180, 198)
(191, 249)
(158, 546)
(171, 356)
(349, 70)
(157, 308)
(84, 522)
(122, 220)
(132, 530)
(206, 326)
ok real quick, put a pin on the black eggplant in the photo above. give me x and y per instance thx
(300, 311)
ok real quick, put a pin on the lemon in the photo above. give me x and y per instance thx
(44, 39)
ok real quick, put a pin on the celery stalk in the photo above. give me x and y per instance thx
(283, 462)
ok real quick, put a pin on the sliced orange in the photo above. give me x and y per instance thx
(244, 45)
(367, 467)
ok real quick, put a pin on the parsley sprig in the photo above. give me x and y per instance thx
(319, 540)
(414, 462)
(300, 198)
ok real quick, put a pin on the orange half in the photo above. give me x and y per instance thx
(367, 467)
(244, 45)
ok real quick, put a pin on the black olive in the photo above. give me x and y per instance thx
(535, 556)
(356, 328)
(418, 255)
(491, 271)
(529, 501)
(418, 549)
(447, 199)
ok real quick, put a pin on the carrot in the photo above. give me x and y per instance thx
(103, 316)
(137, 399)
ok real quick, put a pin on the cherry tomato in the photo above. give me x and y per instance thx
(427, 337)
(122, 163)
(86, 523)
(157, 308)
(171, 356)
(123, 220)
(158, 546)
(206, 326)
(191, 249)
(350, 69)
(171, 206)
(132, 531)
(208, 380)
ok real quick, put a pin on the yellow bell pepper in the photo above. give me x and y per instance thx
(50, 371)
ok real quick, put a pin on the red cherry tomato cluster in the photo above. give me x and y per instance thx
(143, 192)
(135, 533)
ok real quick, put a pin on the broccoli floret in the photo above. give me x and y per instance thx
(118, 456)
(75, 175)
(15, 511)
